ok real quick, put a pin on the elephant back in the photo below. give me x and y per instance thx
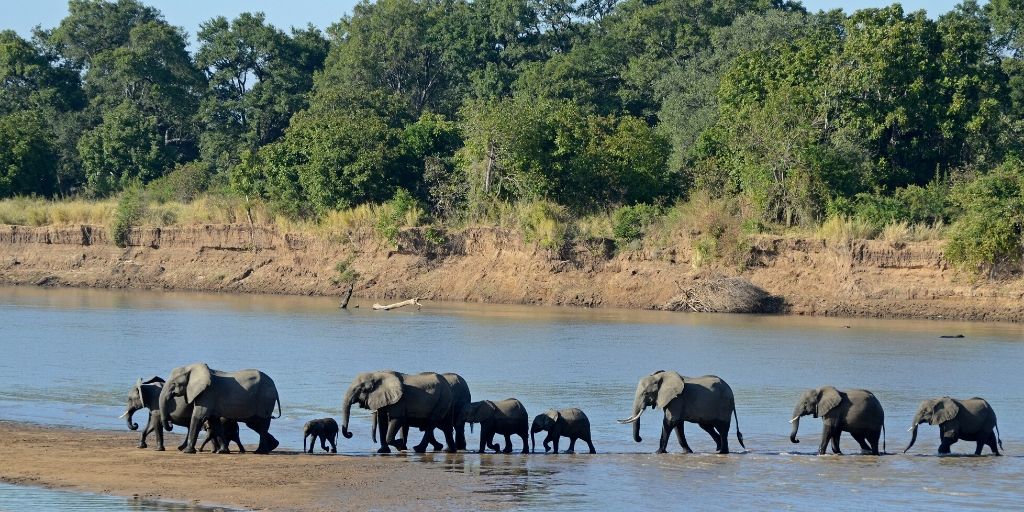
(707, 397)
(460, 389)
(576, 420)
(431, 390)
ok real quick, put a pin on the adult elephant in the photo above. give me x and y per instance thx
(421, 400)
(856, 411)
(146, 395)
(971, 420)
(461, 396)
(246, 396)
(707, 401)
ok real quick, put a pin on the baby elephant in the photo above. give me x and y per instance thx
(324, 428)
(971, 420)
(571, 423)
(856, 411)
(227, 433)
(505, 417)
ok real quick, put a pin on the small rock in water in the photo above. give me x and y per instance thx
(952, 336)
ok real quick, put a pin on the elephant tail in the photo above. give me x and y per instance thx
(883, 437)
(279, 413)
(999, 437)
(739, 435)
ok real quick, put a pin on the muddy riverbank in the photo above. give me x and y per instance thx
(801, 276)
(107, 462)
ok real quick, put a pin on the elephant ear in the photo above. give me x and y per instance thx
(827, 401)
(386, 391)
(671, 387)
(943, 410)
(151, 380)
(199, 378)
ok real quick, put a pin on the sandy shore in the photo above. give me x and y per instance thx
(108, 462)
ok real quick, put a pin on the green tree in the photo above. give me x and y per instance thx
(93, 27)
(990, 232)
(124, 148)
(28, 163)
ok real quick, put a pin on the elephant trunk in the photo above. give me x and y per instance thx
(913, 435)
(636, 430)
(638, 410)
(796, 426)
(373, 427)
(128, 417)
(533, 441)
(346, 409)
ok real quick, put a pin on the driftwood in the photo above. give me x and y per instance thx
(415, 301)
(724, 295)
(345, 298)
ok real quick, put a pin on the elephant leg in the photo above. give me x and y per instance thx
(826, 434)
(861, 439)
(873, 437)
(980, 443)
(836, 434)
(428, 438)
(508, 443)
(554, 442)
(993, 442)
(393, 428)
(723, 437)
(434, 443)
(460, 438)
(193, 431)
(145, 432)
(710, 429)
(681, 436)
(451, 443)
(382, 433)
(158, 430)
(946, 442)
(572, 445)
(323, 442)
(590, 444)
(525, 436)
(262, 427)
(666, 428)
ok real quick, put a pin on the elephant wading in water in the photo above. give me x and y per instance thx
(571, 423)
(856, 411)
(146, 395)
(707, 401)
(505, 417)
(401, 400)
(971, 420)
(460, 397)
(246, 396)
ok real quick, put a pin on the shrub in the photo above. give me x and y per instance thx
(183, 184)
(401, 211)
(345, 273)
(630, 223)
(544, 223)
(129, 211)
(842, 229)
(990, 232)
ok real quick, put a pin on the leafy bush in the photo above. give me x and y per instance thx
(630, 223)
(545, 223)
(990, 231)
(912, 204)
(345, 273)
(401, 211)
(129, 211)
(185, 183)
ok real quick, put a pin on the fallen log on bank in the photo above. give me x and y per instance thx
(415, 301)
(724, 295)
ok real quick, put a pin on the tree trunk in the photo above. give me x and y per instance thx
(345, 298)
(415, 301)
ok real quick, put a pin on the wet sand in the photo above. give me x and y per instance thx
(108, 462)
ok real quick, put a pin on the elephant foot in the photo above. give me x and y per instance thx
(570, 451)
(189, 449)
(687, 450)
(419, 449)
(525, 451)
(159, 448)
(143, 445)
(268, 446)
(723, 452)
(383, 449)
(224, 450)
(451, 450)
(661, 451)
(334, 450)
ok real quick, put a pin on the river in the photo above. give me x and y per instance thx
(70, 356)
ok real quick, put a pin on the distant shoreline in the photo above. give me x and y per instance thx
(802, 276)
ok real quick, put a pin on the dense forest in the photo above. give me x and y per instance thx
(621, 108)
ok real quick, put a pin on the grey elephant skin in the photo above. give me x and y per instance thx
(504, 417)
(326, 429)
(228, 434)
(422, 400)
(146, 395)
(460, 397)
(571, 423)
(707, 401)
(972, 419)
(246, 396)
(856, 411)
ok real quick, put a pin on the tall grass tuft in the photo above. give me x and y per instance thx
(842, 229)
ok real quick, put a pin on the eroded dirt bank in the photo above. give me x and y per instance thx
(807, 276)
(108, 463)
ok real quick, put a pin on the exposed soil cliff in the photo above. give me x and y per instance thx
(801, 276)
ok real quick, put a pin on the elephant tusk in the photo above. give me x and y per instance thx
(123, 415)
(633, 418)
(911, 429)
(794, 419)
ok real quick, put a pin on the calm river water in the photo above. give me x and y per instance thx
(70, 357)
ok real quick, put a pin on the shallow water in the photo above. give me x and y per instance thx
(15, 498)
(70, 357)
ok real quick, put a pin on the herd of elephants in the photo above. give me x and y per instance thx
(199, 398)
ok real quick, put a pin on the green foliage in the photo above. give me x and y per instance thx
(130, 210)
(345, 274)
(401, 211)
(630, 223)
(183, 184)
(990, 233)
(912, 204)
(545, 223)
(28, 164)
(124, 148)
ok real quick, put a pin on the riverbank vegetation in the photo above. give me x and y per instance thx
(624, 120)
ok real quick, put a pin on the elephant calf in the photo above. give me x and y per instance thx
(222, 433)
(856, 411)
(324, 428)
(506, 417)
(145, 395)
(971, 420)
(571, 423)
